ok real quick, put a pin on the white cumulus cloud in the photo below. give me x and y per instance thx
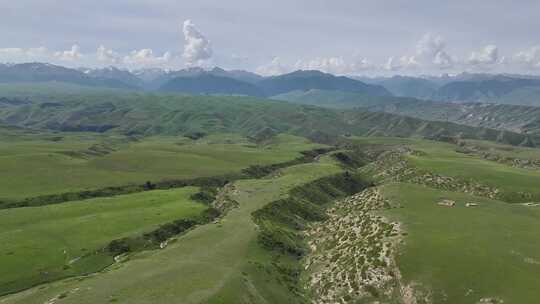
(146, 58)
(275, 67)
(528, 59)
(197, 48)
(107, 55)
(70, 55)
(486, 56)
(430, 54)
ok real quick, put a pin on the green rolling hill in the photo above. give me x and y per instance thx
(153, 114)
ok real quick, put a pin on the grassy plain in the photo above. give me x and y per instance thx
(51, 163)
(215, 263)
(465, 254)
(442, 158)
(41, 244)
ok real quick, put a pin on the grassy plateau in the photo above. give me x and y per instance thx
(461, 254)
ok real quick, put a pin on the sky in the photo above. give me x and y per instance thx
(349, 37)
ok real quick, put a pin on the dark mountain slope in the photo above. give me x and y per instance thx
(206, 83)
(308, 80)
(403, 86)
(337, 99)
(160, 79)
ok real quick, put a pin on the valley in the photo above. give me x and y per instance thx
(327, 195)
(269, 152)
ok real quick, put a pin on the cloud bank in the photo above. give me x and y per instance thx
(429, 55)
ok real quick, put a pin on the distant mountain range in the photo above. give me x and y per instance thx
(311, 87)
(465, 87)
(195, 81)
(43, 72)
(116, 74)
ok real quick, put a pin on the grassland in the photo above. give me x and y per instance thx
(442, 158)
(459, 255)
(41, 244)
(506, 150)
(51, 242)
(465, 254)
(215, 263)
(35, 164)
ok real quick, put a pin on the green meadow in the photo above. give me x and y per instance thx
(442, 158)
(506, 150)
(215, 263)
(40, 164)
(465, 254)
(459, 255)
(41, 244)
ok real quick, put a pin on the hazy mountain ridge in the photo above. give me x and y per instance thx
(207, 83)
(111, 72)
(44, 72)
(306, 80)
(404, 86)
(465, 87)
(190, 81)
(516, 118)
(490, 90)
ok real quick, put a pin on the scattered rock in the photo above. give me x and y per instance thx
(490, 301)
(352, 252)
(447, 203)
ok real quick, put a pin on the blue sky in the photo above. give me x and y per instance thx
(345, 37)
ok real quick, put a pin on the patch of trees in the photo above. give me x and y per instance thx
(213, 181)
(153, 239)
(206, 195)
(351, 159)
(195, 135)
